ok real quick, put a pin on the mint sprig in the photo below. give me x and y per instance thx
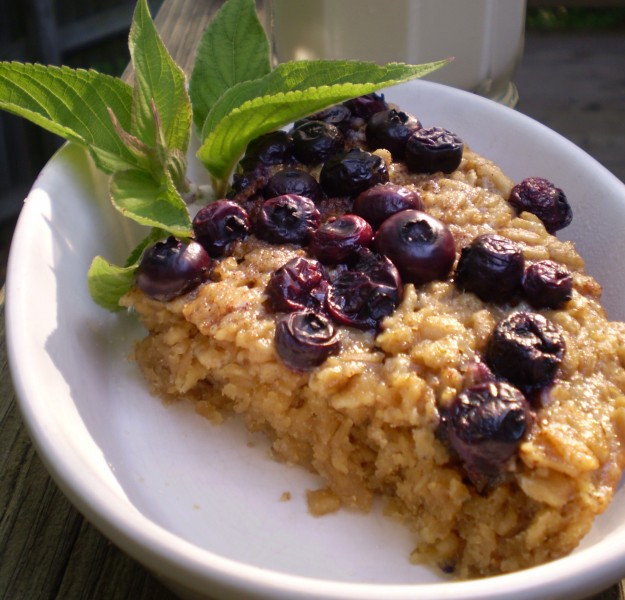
(140, 134)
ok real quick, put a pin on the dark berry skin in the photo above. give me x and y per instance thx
(485, 426)
(292, 181)
(547, 284)
(366, 106)
(433, 150)
(390, 129)
(287, 219)
(305, 339)
(339, 238)
(491, 267)
(315, 141)
(299, 284)
(420, 246)
(350, 173)
(385, 199)
(272, 148)
(526, 349)
(366, 293)
(219, 224)
(171, 268)
(543, 199)
(337, 115)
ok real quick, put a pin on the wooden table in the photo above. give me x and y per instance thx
(47, 549)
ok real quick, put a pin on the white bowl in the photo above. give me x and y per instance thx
(199, 504)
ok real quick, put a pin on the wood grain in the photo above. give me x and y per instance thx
(47, 549)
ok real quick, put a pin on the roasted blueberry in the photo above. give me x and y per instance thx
(171, 268)
(381, 201)
(218, 224)
(390, 129)
(485, 425)
(526, 349)
(305, 339)
(432, 150)
(272, 148)
(315, 141)
(352, 172)
(299, 284)
(287, 219)
(340, 237)
(420, 246)
(366, 106)
(292, 181)
(547, 284)
(362, 296)
(491, 267)
(543, 199)
(337, 115)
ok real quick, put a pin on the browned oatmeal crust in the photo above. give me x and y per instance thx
(366, 419)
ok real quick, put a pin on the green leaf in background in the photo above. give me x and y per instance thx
(139, 197)
(234, 48)
(292, 91)
(158, 82)
(108, 282)
(74, 104)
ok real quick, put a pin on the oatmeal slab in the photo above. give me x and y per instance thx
(367, 419)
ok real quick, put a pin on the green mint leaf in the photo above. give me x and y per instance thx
(234, 48)
(161, 108)
(138, 196)
(74, 104)
(292, 91)
(108, 283)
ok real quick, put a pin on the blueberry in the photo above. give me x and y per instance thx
(366, 293)
(543, 199)
(491, 267)
(547, 284)
(432, 150)
(171, 268)
(337, 115)
(366, 106)
(385, 199)
(299, 284)
(315, 141)
(526, 349)
(390, 129)
(272, 148)
(485, 426)
(420, 246)
(352, 172)
(340, 237)
(287, 219)
(292, 181)
(305, 339)
(218, 224)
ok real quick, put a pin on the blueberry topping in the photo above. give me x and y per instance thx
(363, 295)
(432, 150)
(485, 425)
(287, 219)
(390, 129)
(526, 349)
(491, 267)
(337, 115)
(366, 106)
(218, 224)
(299, 284)
(352, 172)
(305, 339)
(547, 284)
(315, 141)
(171, 268)
(385, 199)
(292, 181)
(420, 246)
(340, 237)
(272, 148)
(543, 199)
